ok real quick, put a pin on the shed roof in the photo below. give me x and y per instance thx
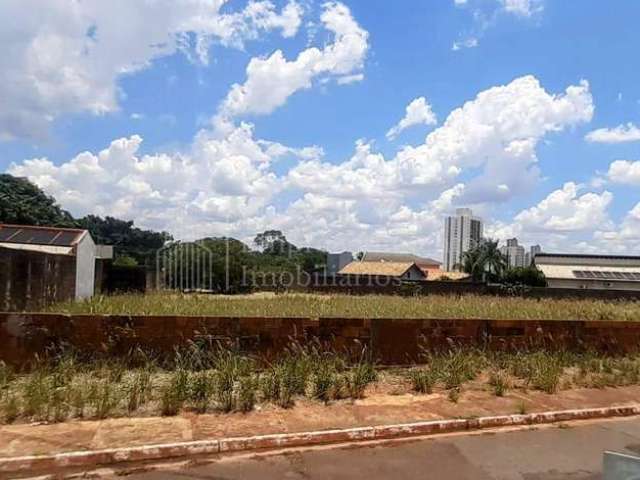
(399, 258)
(593, 273)
(389, 269)
(32, 235)
(50, 249)
(587, 260)
(581, 256)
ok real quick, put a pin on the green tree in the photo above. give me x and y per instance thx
(484, 262)
(128, 240)
(495, 263)
(310, 259)
(473, 264)
(125, 261)
(530, 276)
(23, 203)
(218, 264)
(274, 242)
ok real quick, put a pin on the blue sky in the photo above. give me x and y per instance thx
(206, 117)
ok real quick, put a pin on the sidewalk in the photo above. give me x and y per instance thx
(377, 409)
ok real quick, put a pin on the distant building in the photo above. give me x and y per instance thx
(514, 253)
(337, 261)
(531, 255)
(429, 266)
(535, 250)
(461, 233)
(598, 272)
(39, 265)
(398, 270)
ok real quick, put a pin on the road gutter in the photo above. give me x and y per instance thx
(80, 459)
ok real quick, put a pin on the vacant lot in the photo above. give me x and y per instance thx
(370, 306)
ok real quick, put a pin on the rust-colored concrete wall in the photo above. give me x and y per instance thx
(31, 280)
(391, 341)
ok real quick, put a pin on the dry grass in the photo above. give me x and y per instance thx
(370, 306)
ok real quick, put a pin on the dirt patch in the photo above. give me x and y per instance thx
(137, 431)
(378, 408)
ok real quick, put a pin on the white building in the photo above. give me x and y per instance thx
(461, 233)
(514, 253)
(598, 272)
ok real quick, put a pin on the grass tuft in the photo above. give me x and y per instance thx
(500, 382)
(206, 375)
(423, 380)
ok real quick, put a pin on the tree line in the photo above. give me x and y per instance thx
(24, 203)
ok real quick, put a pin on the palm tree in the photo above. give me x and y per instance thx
(484, 260)
(472, 264)
(495, 263)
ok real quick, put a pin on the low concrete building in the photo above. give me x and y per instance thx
(598, 272)
(429, 266)
(39, 265)
(396, 270)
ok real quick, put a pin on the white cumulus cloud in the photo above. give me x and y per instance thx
(418, 112)
(569, 219)
(228, 182)
(213, 185)
(619, 134)
(63, 57)
(565, 210)
(272, 80)
(625, 237)
(496, 133)
(624, 171)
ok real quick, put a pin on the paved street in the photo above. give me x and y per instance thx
(553, 453)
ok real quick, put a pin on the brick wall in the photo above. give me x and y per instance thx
(391, 341)
(31, 280)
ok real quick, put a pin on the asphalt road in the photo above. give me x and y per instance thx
(551, 453)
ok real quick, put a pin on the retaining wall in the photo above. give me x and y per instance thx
(391, 341)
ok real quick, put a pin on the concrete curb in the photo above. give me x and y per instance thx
(95, 458)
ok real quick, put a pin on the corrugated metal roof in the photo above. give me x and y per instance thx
(571, 272)
(51, 249)
(32, 235)
(587, 256)
(389, 269)
(398, 258)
